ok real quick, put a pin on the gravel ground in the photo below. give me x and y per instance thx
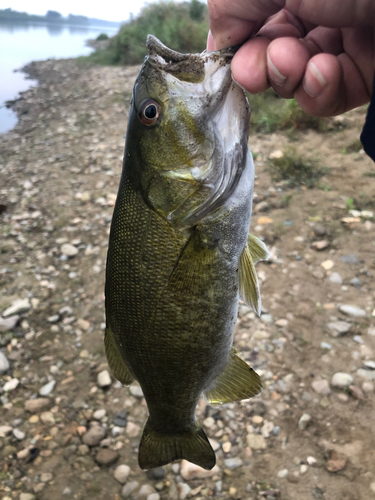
(67, 428)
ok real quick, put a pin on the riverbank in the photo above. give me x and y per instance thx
(59, 172)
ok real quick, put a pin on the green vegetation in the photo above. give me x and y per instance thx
(180, 26)
(354, 147)
(51, 17)
(102, 36)
(295, 170)
(270, 113)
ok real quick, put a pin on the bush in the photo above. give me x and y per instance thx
(102, 36)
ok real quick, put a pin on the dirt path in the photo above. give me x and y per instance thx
(59, 171)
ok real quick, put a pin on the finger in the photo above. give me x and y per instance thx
(331, 86)
(249, 65)
(287, 59)
(210, 42)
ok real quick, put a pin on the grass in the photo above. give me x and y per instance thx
(353, 147)
(270, 113)
(296, 170)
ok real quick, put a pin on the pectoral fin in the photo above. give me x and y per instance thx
(238, 381)
(254, 251)
(115, 361)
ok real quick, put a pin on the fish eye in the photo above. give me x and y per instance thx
(149, 112)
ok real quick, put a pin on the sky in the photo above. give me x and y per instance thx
(109, 10)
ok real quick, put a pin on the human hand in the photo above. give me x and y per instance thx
(320, 52)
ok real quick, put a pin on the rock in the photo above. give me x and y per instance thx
(368, 386)
(104, 379)
(54, 318)
(320, 245)
(304, 421)
(303, 469)
(106, 457)
(132, 429)
(321, 387)
(18, 434)
(69, 250)
(7, 324)
(46, 477)
(233, 463)
(336, 462)
(11, 385)
(136, 391)
(356, 282)
(325, 345)
(369, 374)
(338, 328)
(99, 414)
(145, 491)
(35, 405)
(27, 496)
(371, 329)
(352, 311)
(119, 422)
(83, 449)
(282, 474)
(129, 489)
(183, 490)
(83, 324)
(121, 473)
(5, 430)
(47, 389)
(47, 418)
(369, 364)
(356, 392)
(327, 264)
(341, 380)
(267, 428)
(190, 471)
(18, 306)
(93, 436)
(277, 153)
(335, 278)
(349, 259)
(4, 363)
(372, 487)
(311, 460)
(154, 496)
(256, 441)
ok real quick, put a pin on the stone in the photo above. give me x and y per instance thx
(354, 311)
(129, 489)
(338, 328)
(325, 345)
(256, 441)
(35, 405)
(327, 264)
(54, 318)
(341, 380)
(336, 462)
(371, 329)
(191, 471)
(18, 434)
(99, 414)
(83, 324)
(94, 435)
(304, 421)
(132, 429)
(121, 473)
(106, 457)
(47, 418)
(369, 364)
(145, 491)
(104, 379)
(4, 363)
(69, 250)
(46, 477)
(136, 391)
(356, 282)
(311, 460)
(321, 387)
(282, 474)
(320, 245)
(368, 374)
(183, 490)
(349, 259)
(27, 496)
(18, 306)
(335, 278)
(5, 430)
(7, 324)
(372, 487)
(233, 463)
(11, 385)
(47, 389)
(154, 496)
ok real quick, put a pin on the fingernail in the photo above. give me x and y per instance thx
(274, 73)
(210, 42)
(313, 82)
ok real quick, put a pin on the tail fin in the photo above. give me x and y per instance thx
(157, 449)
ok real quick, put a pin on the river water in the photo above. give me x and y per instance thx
(23, 43)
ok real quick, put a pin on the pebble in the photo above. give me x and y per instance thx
(371, 329)
(358, 339)
(5, 430)
(18, 306)
(47, 418)
(99, 414)
(183, 490)
(352, 311)
(93, 436)
(106, 457)
(369, 364)
(338, 328)
(154, 496)
(35, 405)
(7, 324)
(18, 434)
(327, 264)
(190, 471)
(282, 474)
(369, 374)
(4, 363)
(372, 487)
(47, 389)
(136, 391)
(129, 489)
(335, 278)
(27, 496)
(69, 250)
(46, 477)
(368, 386)
(256, 441)
(311, 460)
(145, 491)
(325, 345)
(11, 385)
(104, 379)
(267, 428)
(320, 245)
(121, 473)
(304, 421)
(341, 380)
(119, 422)
(356, 282)
(349, 259)
(132, 429)
(303, 469)
(233, 463)
(321, 387)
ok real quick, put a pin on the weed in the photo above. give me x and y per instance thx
(350, 204)
(295, 169)
(102, 36)
(354, 147)
(371, 173)
(285, 201)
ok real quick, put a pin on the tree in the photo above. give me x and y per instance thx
(53, 15)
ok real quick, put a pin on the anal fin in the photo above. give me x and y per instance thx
(238, 381)
(115, 361)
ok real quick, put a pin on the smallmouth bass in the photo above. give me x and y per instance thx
(180, 254)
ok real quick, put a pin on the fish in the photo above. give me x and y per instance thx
(180, 254)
